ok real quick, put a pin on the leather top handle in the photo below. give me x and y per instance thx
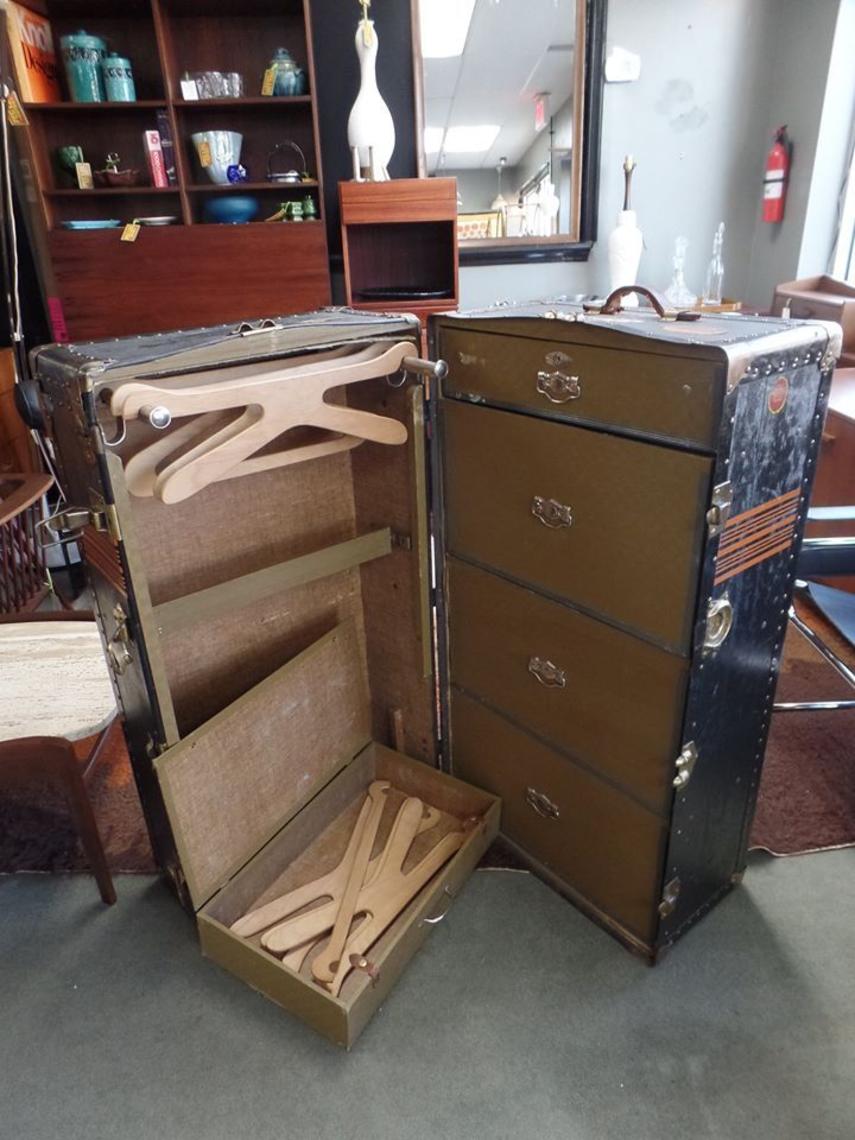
(660, 306)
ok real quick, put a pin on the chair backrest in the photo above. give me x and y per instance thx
(23, 572)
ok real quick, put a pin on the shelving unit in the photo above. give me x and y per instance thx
(270, 268)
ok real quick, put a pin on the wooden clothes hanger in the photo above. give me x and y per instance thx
(386, 892)
(329, 886)
(274, 401)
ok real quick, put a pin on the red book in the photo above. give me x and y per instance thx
(154, 158)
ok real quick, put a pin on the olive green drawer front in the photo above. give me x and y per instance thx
(612, 700)
(664, 396)
(596, 840)
(612, 524)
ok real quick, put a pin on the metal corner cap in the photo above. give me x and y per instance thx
(805, 334)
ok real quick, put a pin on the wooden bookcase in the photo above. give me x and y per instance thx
(194, 272)
(398, 237)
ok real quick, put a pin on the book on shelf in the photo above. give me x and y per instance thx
(154, 158)
(36, 67)
(167, 145)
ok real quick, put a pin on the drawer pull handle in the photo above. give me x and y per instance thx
(437, 918)
(542, 804)
(558, 387)
(547, 673)
(551, 513)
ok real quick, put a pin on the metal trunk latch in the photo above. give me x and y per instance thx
(102, 516)
(670, 894)
(720, 507)
(117, 646)
(685, 765)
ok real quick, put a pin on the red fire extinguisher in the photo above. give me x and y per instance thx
(777, 174)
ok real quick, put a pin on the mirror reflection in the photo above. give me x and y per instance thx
(499, 113)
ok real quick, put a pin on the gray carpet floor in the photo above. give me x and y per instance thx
(518, 1019)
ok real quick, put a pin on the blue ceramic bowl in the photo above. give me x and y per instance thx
(231, 208)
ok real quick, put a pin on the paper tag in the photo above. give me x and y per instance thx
(204, 152)
(189, 90)
(131, 231)
(84, 175)
(269, 81)
(15, 112)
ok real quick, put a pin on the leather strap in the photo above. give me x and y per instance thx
(612, 304)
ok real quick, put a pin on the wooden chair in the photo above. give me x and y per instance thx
(53, 760)
(23, 572)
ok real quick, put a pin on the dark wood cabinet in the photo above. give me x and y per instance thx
(194, 271)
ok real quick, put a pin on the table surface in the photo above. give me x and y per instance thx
(53, 680)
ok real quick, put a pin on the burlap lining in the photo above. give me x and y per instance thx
(230, 785)
(244, 524)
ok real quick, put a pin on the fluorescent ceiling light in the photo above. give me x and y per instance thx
(433, 139)
(444, 27)
(469, 140)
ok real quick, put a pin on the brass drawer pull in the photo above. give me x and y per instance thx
(558, 387)
(551, 513)
(547, 673)
(542, 804)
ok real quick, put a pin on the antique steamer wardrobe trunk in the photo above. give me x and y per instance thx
(614, 502)
(623, 496)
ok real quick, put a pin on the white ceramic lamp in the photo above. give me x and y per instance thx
(370, 129)
(625, 243)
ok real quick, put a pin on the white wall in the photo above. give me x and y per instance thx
(715, 74)
(797, 88)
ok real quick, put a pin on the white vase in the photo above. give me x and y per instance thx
(370, 124)
(625, 242)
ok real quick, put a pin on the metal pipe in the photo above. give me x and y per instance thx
(819, 645)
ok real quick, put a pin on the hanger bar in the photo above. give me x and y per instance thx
(178, 614)
(273, 402)
(213, 391)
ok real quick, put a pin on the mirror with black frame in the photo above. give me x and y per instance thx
(508, 97)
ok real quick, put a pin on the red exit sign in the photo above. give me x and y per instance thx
(540, 111)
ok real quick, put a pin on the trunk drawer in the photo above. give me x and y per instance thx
(614, 701)
(601, 844)
(309, 846)
(662, 396)
(609, 523)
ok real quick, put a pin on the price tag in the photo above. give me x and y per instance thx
(131, 231)
(15, 112)
(269, 81)
(204, 152)
(83, 171)
(189, 90)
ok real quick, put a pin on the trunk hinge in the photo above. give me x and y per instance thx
(685, 765)
(117, 645)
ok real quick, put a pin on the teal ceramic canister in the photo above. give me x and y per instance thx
(290, 77)
(118, 79)
(82, 55)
